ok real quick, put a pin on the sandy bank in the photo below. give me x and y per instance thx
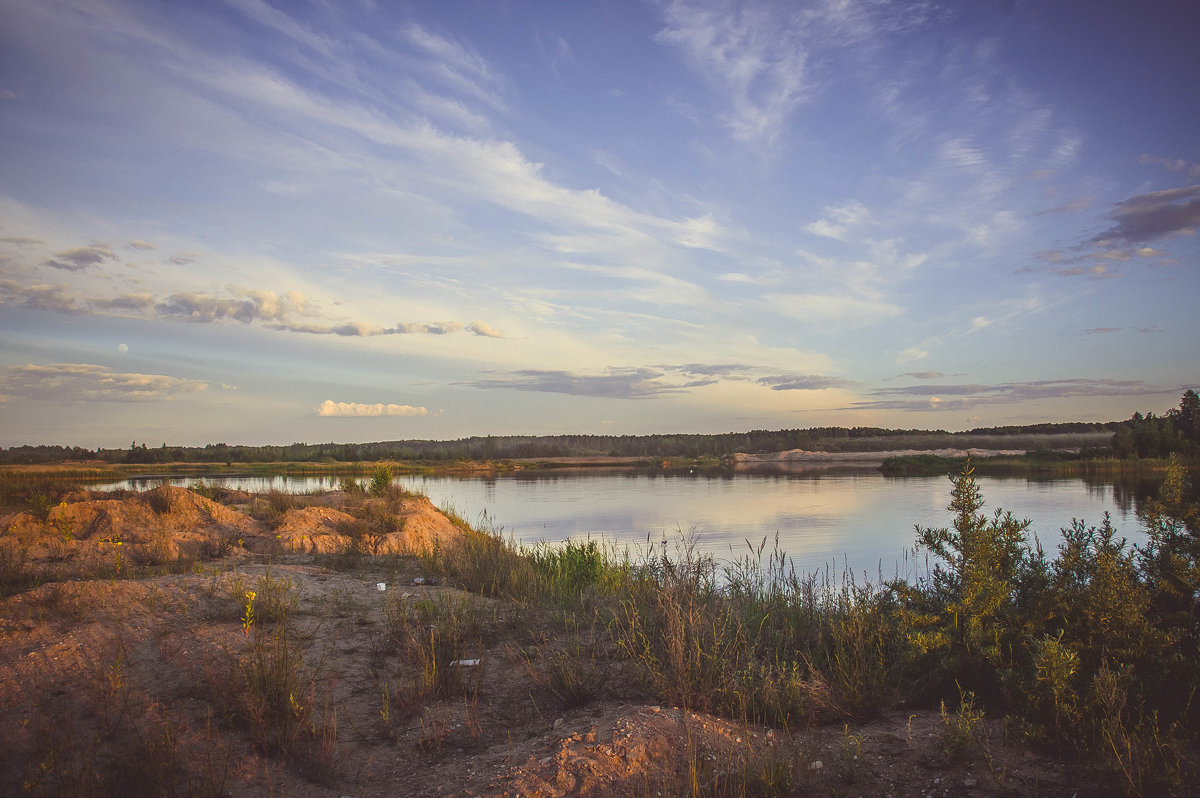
(859, 458)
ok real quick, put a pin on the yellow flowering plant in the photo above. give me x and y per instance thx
(248, 616)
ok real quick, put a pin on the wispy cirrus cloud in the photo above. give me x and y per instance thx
(646, 382)
(332, 409)
(837, 220)
(802, 382)
(751, 55)
(456, 65)
(958, 397)
(1071, 206)
(289, 311)
(83, 382)
(843, 309)
(722, 370)
(633, 383)
(1096, 271)
(1172, 164)
(763, 60)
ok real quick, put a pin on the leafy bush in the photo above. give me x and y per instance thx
(381, 480)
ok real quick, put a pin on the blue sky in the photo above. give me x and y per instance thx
(265, 222)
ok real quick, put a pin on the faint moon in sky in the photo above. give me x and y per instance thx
(123, 348)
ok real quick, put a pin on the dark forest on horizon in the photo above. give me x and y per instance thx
(1149, 435)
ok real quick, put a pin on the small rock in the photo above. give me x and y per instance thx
(558, 723)
(970, 782)
(816, 765)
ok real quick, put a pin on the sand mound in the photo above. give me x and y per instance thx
(315, 530)
(418, 526)
(137, 519)
(168, 522)
(163, 523)
(424, 528)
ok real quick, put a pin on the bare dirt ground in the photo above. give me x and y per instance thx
(120, 678)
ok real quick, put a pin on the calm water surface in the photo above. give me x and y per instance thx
(859, 520)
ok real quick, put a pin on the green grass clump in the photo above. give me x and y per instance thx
(433, 636)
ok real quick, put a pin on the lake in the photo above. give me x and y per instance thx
(859, 520)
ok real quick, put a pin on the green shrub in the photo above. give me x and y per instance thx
(381, 480)
(202, 488)
(963, 622)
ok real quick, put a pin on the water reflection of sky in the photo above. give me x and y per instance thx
(863, 521)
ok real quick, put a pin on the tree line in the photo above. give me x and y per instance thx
(501, 447)
(1176, 431)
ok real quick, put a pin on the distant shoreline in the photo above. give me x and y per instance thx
(863, 458)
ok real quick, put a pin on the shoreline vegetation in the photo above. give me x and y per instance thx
(1142, 442)
(206, 641)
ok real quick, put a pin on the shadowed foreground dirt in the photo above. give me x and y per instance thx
(129, 666)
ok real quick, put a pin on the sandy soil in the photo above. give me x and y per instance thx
(106, 671)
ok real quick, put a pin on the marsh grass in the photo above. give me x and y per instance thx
(33, 493)
(755, 641)
(747, 770)
(431, 637)
(575, 674)
(16, 572)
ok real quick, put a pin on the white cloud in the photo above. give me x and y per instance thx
(839, 219)
(698, 233)
(83, 382)
(332, 409)
(980, 323)
(484, 329)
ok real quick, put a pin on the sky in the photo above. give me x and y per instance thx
(258, 221)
